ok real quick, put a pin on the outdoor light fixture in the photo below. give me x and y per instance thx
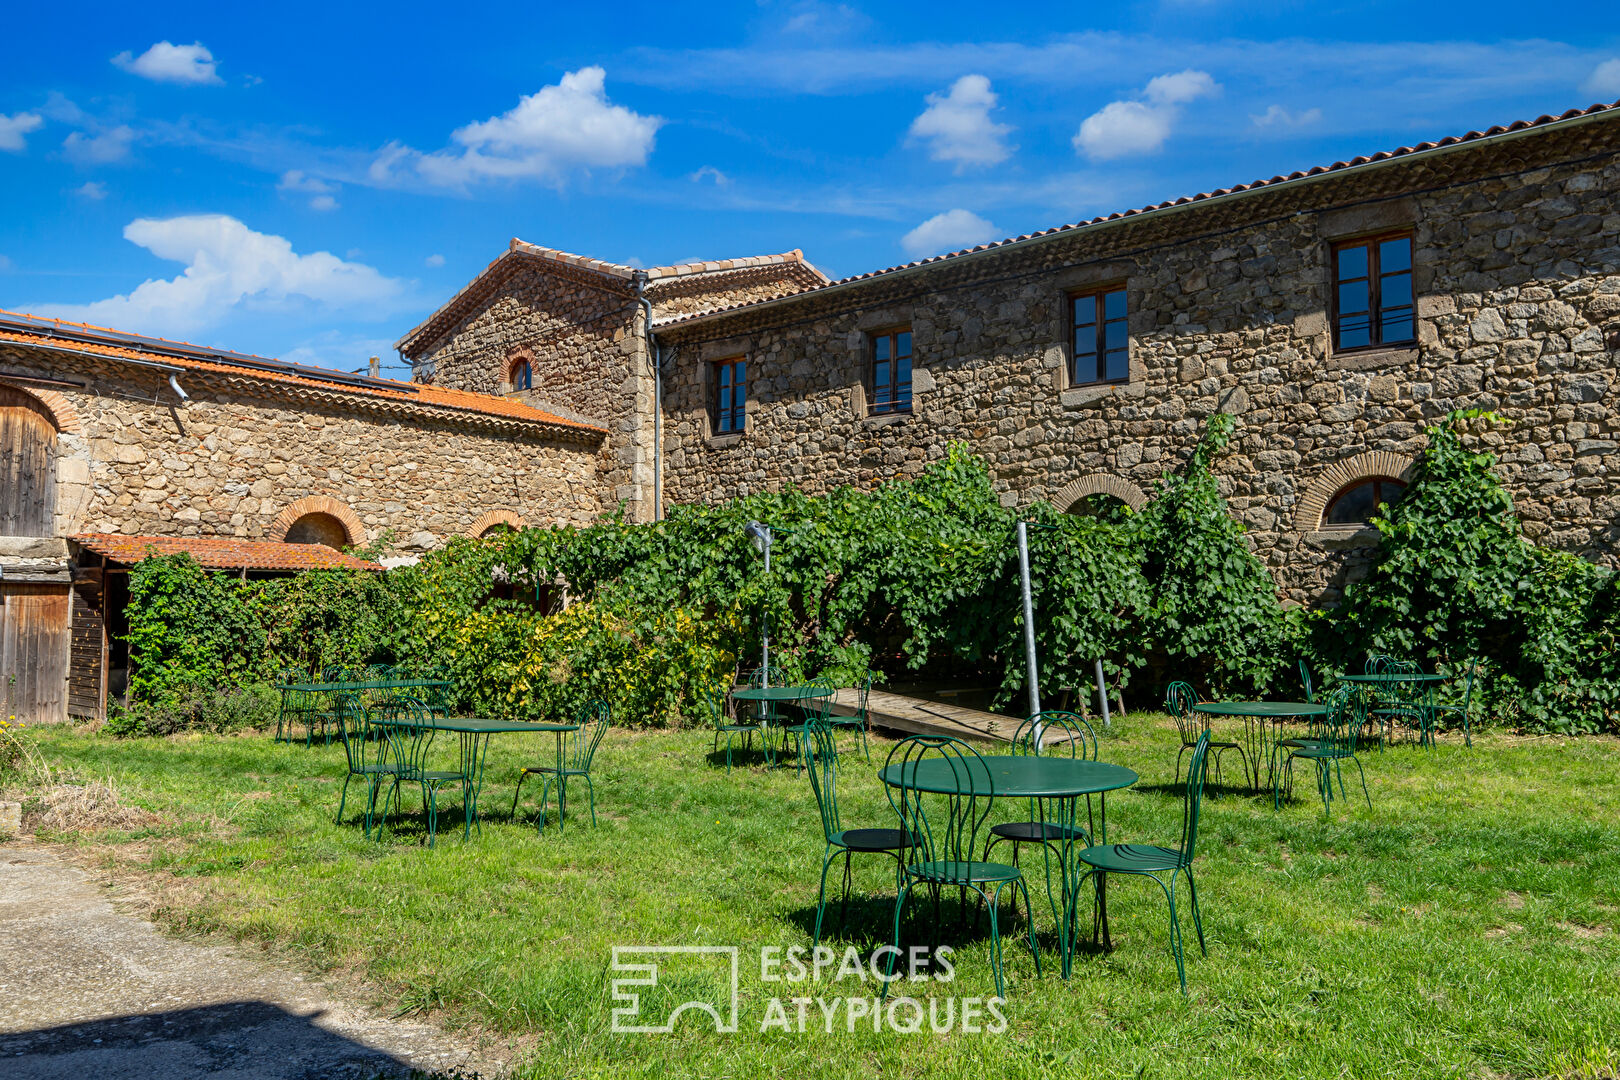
(760, 536)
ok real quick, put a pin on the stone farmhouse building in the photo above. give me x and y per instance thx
(1336, 312)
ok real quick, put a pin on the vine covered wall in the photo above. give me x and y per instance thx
(663, 614)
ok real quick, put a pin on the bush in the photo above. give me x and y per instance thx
(220, 711)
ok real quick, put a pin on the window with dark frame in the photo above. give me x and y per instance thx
(522, 376)
(1356, 503)
(730, 395)
(891, 371)
(1372, 292)
(1100, 339)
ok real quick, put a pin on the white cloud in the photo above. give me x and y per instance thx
(709, 172)
(321, 193)
(957, 125)
(949, 231)
(192, 65)
(93, 190)
(102, 149)
(15, 126)
(228, 265)
(1278, 117)
(1604, 80)
(548, 134)
(434, 260)
(1122, 128)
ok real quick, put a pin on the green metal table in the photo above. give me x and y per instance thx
(1061, 782)
(474, 733)
(311, 701)
(776, 695)
(1262, 720)
(1420, 700)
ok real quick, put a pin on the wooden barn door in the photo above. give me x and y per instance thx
(27, 465)
(87, 662)
(34, 652)
(34, 618)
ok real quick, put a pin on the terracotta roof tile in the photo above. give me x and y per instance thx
(386, 389)
(1118, 215)
(221, 552)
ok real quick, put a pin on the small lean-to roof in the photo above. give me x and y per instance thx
(61, 335)
(797, 271)
(1514, 129)
(221, 552)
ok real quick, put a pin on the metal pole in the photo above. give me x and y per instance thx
(765, 620)
(1029, 625)
(1102, 693)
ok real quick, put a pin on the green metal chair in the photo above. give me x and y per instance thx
(859, 721)
(408, 730)
(1443, 709)
(944, 831)
(821, 755)
(1146, 860)
(1179, 699)
(1305, 678)
(766, 712)
(578, 751)
(1061, 734)
(814, 705)
(1398, 701)
(365, 752)
(1333, 741)
(716, 705)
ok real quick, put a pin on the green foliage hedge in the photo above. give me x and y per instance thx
(662, 614)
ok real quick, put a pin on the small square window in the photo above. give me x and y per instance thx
(730, 409)
(1101, 343)
(891, 370)
(1372, 292)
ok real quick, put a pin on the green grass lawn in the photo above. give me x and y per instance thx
(1465, 925)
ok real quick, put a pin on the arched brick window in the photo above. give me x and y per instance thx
(520, 369)
(318, 519)
(1359, 500)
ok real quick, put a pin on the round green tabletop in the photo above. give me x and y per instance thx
(1015, 777)
(1394, 677)
(778, 693)
(1276, 710)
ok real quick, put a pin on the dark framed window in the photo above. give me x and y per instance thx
(730, 395)
(891, 370)
(1101, 342)
(1372, 292)
(1356, 503)
(522, 377)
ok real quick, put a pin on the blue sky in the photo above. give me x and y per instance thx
(309, 181)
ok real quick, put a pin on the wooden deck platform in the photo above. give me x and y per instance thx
(913, 716)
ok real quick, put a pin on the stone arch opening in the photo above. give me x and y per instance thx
(318, 519)
(1349, 490)
(494, 523)
(318, 529)
(1076, 496)
(1102, 506)
(28, 430)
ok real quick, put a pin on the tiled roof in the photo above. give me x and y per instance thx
(222, 553)
(793, 262)
(1305, 174)
(78, 337)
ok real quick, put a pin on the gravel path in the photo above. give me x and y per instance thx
(89, 991)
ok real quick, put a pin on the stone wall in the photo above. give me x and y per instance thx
(1518, 275)
(233, 461)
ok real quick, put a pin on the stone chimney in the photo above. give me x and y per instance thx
(376, 367)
